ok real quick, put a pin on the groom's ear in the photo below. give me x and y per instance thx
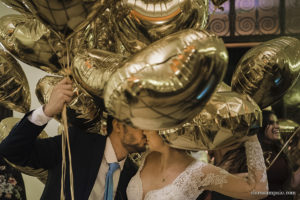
(116, 126)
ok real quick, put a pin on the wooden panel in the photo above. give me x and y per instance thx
(292, 16)
(268, 17)
(219, 20)
(245, 21)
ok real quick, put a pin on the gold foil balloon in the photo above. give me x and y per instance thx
(31, 42)
(267, 71)
(227, 116)
(99, 34)
(139, 23)
(82, 111)
(291, 101)
(16, 5)
(223, 87)
(287, 126)
(169, 82)
(93, 68)
(8, 123)
(14, 88)
(5, 127)
(63, 17)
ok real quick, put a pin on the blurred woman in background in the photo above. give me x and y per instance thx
(282, 181)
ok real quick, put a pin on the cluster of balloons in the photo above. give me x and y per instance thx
(149, 64)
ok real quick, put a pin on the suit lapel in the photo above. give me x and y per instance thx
(95, 151)
(129, 170)
(96, 155)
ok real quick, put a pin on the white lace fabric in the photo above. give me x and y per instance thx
(256, 164)
(199, 176)
(171, 191)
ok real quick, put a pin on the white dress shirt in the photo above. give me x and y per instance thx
(39, 118)
(109, 157)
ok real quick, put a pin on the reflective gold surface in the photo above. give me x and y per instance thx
(17, 5)
(223, 87)
(287, 126)
(14, 88)
(291, 101)
(5, 127)
(267, 71)
(93, 68)
(82, 110)
(227, 117)
(31, 42)
(139, 22)
(99, 34)
(169, 82)
(65, 18)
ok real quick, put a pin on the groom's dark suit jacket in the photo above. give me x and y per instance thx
(23, 148)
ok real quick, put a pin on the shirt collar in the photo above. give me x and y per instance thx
(110, 154)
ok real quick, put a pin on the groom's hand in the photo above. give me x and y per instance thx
(62, 93)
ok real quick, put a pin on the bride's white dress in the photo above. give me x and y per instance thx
(192, 181)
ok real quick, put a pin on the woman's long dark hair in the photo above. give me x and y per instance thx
(266, 121)
(275, 146)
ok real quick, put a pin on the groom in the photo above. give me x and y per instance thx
(94, 157)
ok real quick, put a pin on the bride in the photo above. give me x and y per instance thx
(171, 174)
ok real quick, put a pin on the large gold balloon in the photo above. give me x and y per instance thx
(291, 101)
(93, 68)
(267, 71)
(99, 34)
(227, 117)
(65, 18)
(82, 111)
(14, 88)
(5, 127)
(17, 5)
(169, 82)
(223, 87)
(286, 128)
(139, 23)
(31, 42)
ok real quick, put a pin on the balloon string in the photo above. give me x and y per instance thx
(63, 168)
(65, 139)
(65, 133)
(286, 143)
(66, 128)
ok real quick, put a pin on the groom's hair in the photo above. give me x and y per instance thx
(109, 127)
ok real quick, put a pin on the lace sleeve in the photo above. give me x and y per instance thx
(255, 162)
(252, 186)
